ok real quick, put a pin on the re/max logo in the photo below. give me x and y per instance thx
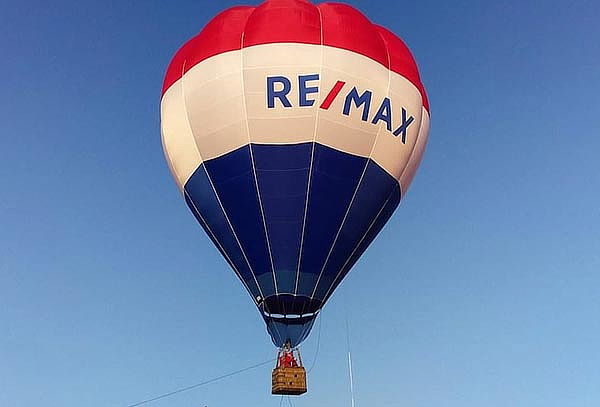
(279, 87)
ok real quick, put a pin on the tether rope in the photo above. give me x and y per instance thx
(349, 360)
(318, 343)
(195, 386)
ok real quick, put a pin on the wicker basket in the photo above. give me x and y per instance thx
(290, 381)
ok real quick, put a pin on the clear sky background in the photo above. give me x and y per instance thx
(483, 290)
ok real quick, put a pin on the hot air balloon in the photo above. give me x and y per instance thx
(293, 131)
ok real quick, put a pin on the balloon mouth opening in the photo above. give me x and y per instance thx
(290, 306)
(290, 316)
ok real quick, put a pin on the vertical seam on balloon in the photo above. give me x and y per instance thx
(365, 235)
(362, 176)
(423, 110)
(325, 297)
(265, 308)
(215, 190)
(222, 249)
(253, 165)
(312, 155)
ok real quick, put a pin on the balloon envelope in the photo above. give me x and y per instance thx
(293, 131)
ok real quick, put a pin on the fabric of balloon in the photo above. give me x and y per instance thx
(293, 131)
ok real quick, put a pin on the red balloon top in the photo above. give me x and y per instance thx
(297, 21)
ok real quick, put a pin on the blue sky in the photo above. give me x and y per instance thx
(483, 290)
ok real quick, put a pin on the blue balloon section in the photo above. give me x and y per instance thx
(291, 220)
